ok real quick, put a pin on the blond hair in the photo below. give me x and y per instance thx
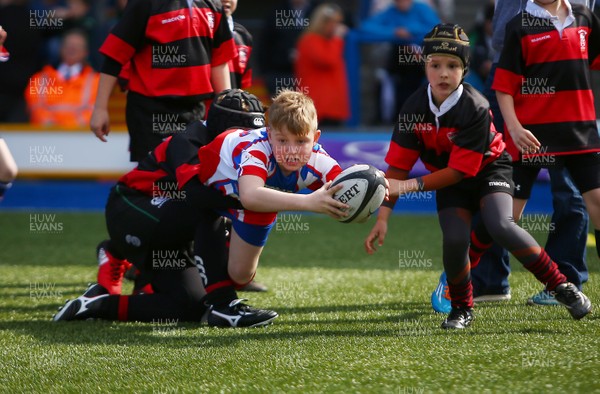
(293, 110)
(322, 15)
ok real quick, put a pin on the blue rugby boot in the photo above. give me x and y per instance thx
(440, 298)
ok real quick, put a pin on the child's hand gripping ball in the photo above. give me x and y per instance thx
(364, 190)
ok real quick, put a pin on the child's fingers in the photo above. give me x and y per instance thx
(332, 201)
(535, 141)
(369, 247)
(529, 144)
(381, 238)
(338, 213)
(374, 235)
(334, 189)
(341, 206)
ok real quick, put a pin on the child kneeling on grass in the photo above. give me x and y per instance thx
(261, 168)
(448, 125)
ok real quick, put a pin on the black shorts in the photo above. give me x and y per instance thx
(584, 170)
(151, 233)
(493, 178)
(151, 120)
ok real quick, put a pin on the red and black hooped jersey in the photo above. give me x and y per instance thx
(172, 45)
(463, 138)
(547, 74)
(239, 67)
(171, 166)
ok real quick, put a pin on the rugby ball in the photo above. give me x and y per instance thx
(363, 190)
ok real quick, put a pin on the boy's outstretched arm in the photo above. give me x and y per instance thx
(434, 181)
(256, 197)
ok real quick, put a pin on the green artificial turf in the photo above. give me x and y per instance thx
(348, 322)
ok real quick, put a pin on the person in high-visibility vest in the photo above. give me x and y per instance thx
(64, 96)
(8, 166)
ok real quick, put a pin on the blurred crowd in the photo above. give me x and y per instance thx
(52, 76)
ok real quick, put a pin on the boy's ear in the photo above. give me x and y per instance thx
(317, 135)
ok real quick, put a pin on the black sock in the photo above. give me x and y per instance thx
(108, 307)
(221, 296)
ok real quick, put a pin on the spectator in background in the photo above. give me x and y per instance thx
(64, 95)
(405, 23)
(24, 47)
(347, 8)
(8, 167)
(320, 67)
(240, 70)
(482, 50)
(107, 14)
(445, 9)
(277, 47)
(55, 17)
(404, 20)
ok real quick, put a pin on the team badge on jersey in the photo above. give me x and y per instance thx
(582, 41)
(243, 57)
(159, 201)
(211, 20)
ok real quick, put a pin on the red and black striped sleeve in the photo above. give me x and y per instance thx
(182, 163)
(594, 42)
(182, 153)
(223, 45)
(128, 34)
(149, 171)
(511, 66)
(174, 165)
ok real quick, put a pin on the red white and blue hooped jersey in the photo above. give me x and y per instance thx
(237, 152)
